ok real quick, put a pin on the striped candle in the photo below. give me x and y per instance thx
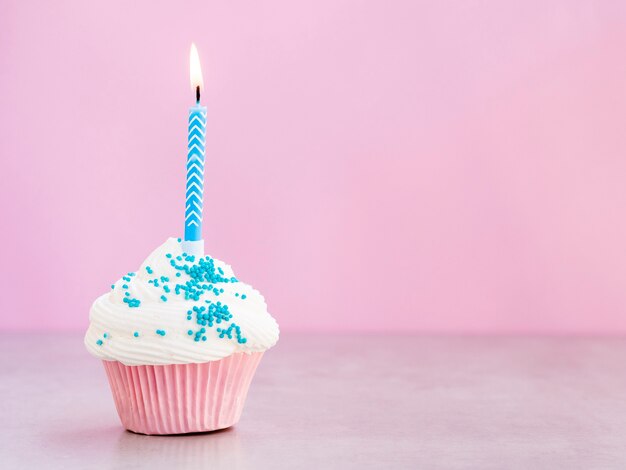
(195, 173)
(196, 135)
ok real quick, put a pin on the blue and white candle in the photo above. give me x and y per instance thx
(196, 139)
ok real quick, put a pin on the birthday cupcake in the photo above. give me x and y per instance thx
(180, 340)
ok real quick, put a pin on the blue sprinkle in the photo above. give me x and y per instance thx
(106, 335)
(136, 334)
(168, 255)
(189, 332)
(99, 342)
(243, 296)
(112, 286)
(124, 286)
(179, 240)
(163, 298)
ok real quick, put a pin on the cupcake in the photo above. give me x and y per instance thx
(180, 340)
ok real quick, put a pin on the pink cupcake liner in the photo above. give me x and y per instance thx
(182, 398)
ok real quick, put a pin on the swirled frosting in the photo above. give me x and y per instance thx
(179, 309)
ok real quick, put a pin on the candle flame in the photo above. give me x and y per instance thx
(195, 71)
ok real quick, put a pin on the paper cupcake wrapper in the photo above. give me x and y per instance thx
(182, 398)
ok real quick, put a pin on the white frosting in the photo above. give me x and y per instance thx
(113, 322)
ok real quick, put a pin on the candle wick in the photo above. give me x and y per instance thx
(198, 94)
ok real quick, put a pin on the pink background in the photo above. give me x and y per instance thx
(372, 165)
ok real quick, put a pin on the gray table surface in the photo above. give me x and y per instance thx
(330, 401)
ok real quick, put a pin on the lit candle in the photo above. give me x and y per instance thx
(193, 243)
